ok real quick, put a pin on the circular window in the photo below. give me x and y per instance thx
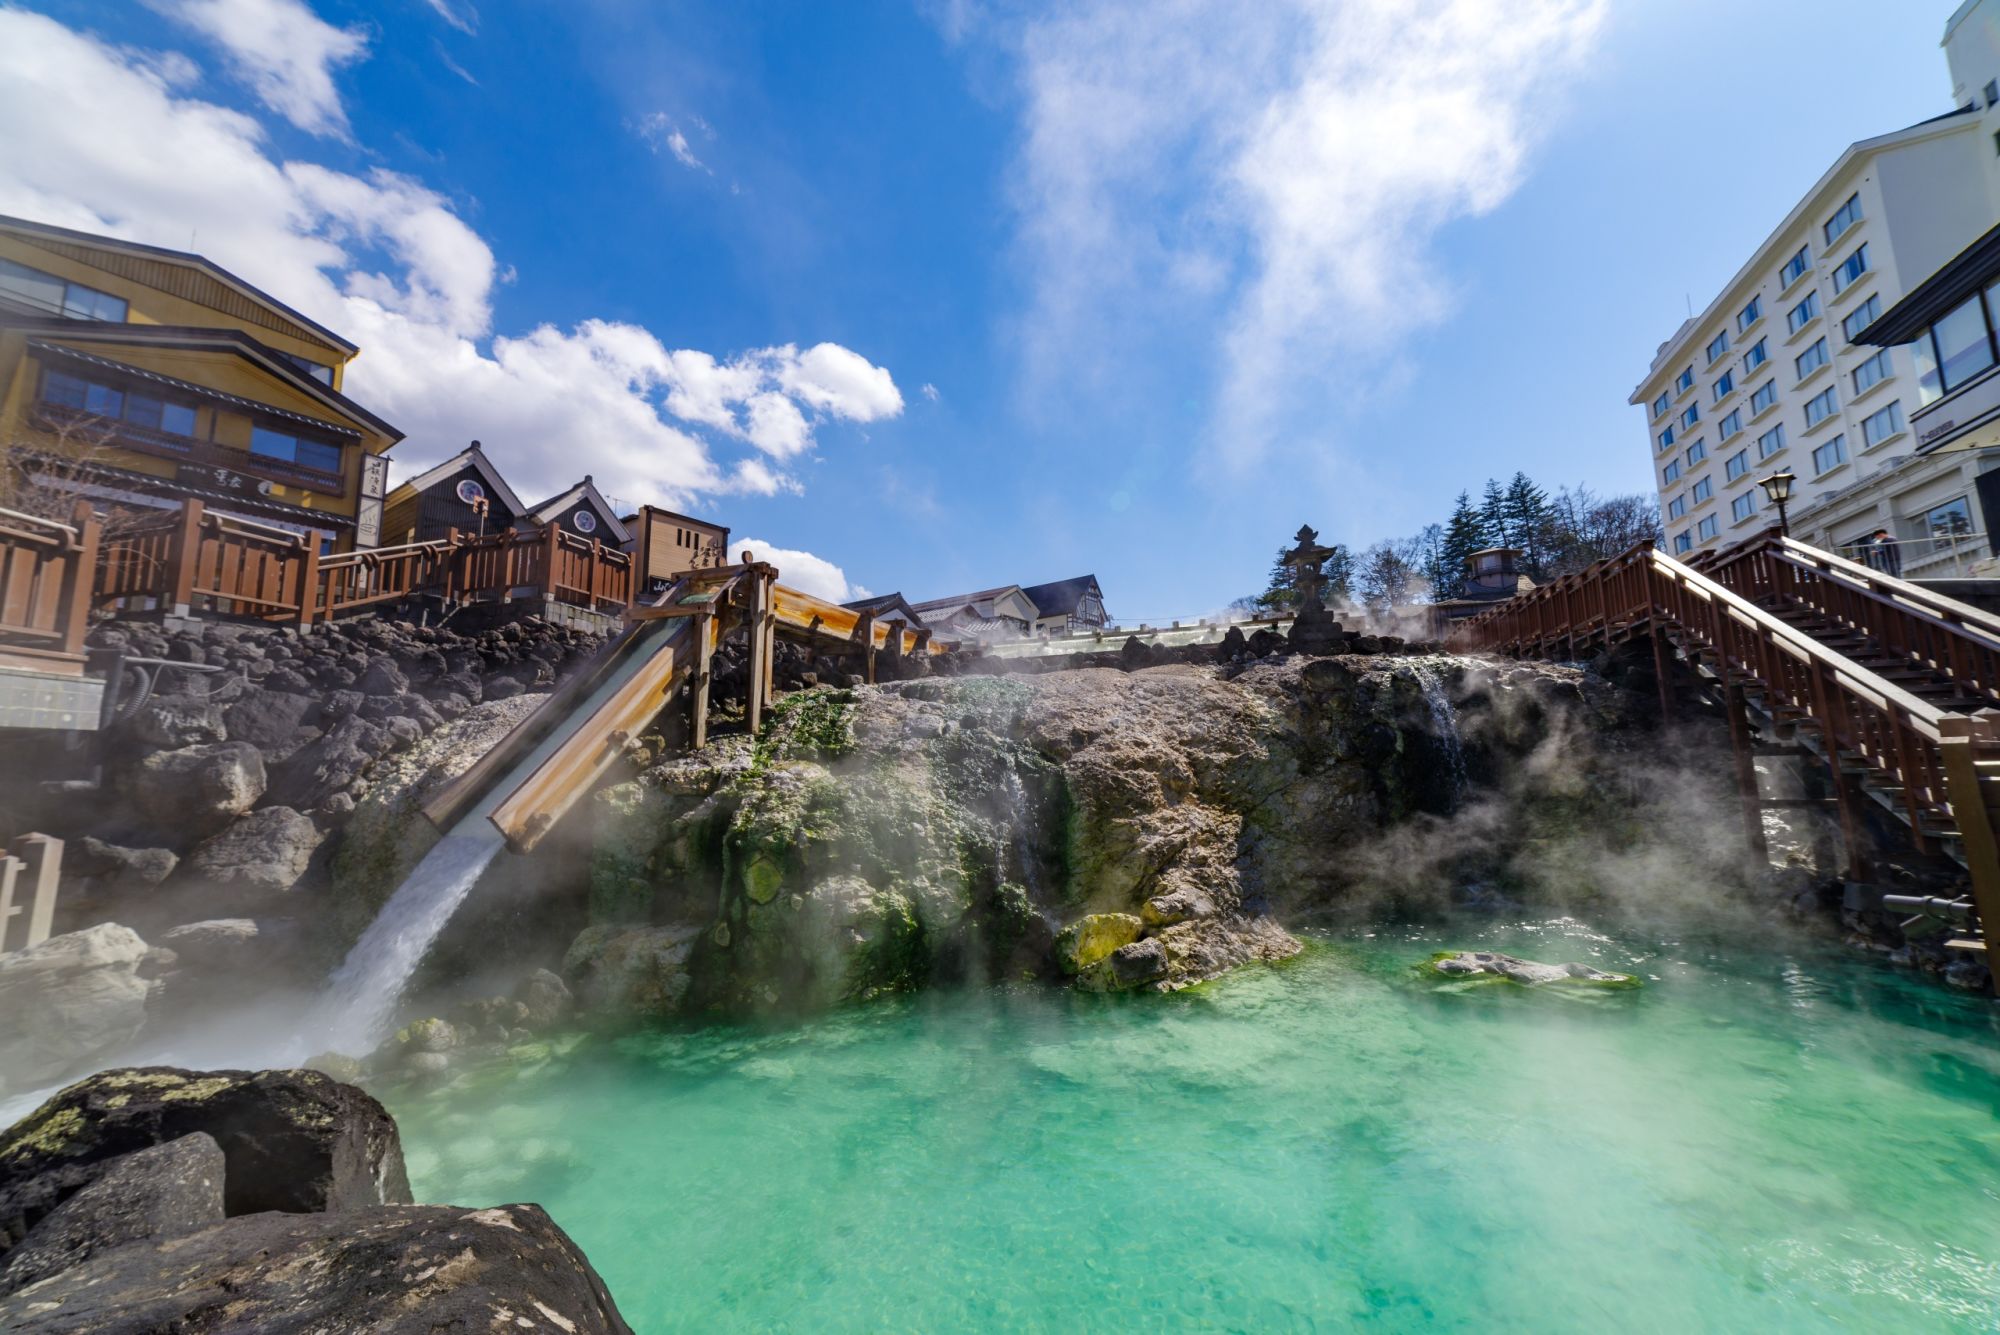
(585, 521)
(470, 491)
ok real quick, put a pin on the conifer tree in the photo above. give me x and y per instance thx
(1528, 518)
(1493, 513)
(1464, 533)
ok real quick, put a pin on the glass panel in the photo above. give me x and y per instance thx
(177, 418)
(1963, 347)
(143, 411)
(272, 444)
(84, 303)
(318, 454)
(31, 287)
(1924, 353)
(1951, 519)
(66, 390)
(104, 401)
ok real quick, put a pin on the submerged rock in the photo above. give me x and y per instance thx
(1491, 965)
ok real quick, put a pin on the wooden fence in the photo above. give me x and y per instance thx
(45, 582)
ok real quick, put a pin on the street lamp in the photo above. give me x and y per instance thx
(1778, 487)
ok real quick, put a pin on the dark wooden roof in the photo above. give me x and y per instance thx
(1059, 598)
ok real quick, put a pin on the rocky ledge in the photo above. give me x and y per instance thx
(152, 1199)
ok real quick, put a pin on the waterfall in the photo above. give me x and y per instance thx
(1444, 722)
(361, 996)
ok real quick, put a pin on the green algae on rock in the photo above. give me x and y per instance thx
(1485, 966)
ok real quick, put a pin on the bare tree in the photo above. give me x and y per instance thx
(43, 475)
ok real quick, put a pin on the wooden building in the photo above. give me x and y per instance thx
(889, 607)
(665, 546)
(1068, 605)
(142, 377)
(465, 492)
(988, 614)
(583, 511)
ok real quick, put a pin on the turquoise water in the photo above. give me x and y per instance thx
(1796, 1140)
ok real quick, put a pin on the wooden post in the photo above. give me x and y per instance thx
(79, 579)
(1746, 771)
(894, 650)
(39, 857)
(453, 554)
(753, 628)
(309, 581)
(1659, 637)
(187, 551)
(1975, 824)
(767, 578)
(864, 634)
(551, 553)
(705, 636)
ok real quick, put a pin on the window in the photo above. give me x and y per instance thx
(1683, 541)
(1697, 452)
(105, 401)
(1717, 346)
(301, 450)
(1724, 386)
(1671, 473)
(1992, 91)
(1852, 268)
(1750, 314)
(1771, 441)
(1811, 359)
(1685, 381)
(1660, 405)
(1756, 357)
(1955, 349)
(1667, 438)
(1882, 425)
(1743, 506)
(1795, 267)
(1953, 519)
(1862, 316)
(1766, 395)
(1821, 406)
(317, 370)
(1703, 489)
(1708, 528)
(1732, 423)
(1873, 371)
(1830, 455)
(1804, 313)
(50, 295)
(1843, 218)
(1677, 507)
(1692, 415)
(1736, 465)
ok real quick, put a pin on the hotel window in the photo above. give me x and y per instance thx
(1708, 528)
(1660, 404)
(1691, 416)
(144, 410)
(1677, 507)
(1723, 386)
(1771, 441)
(1743, 506)
(301, 450)
(1861, 316)
(47, 294)
(1667, 439)
(1703, 489)
(1736, 465)
(1843, 218)
(1821, 406)
(1795, 267)
(1683, 541)
(1811, 359)
(1873, 371)
(1717, 346)
(1671, 473)
(1830, 455)
(1804, 313)
(1851, 268)
(1685, 381)
(1750, 314)
(1697, 452)
(1882, 425)
(1953, 519)
(319, 371)
(1731, 424)
(1756, 357)
(1766, 395)
(1955, 349)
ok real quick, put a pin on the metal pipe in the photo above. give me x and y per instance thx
(1928, 904)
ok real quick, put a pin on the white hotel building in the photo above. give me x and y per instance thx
(1769, 376)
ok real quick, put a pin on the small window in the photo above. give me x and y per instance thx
(1992, 91)
(1685, 381)
(1703, 489)
(1804, 313)
(1821, 406)
(87, 303)
(301, 450)
(1881, 426)
(1697, 452)
(1717, 346)
(1743, 506)
(1671, 473)
(1873, 371)
(1851, 269)
(1691, 416)
(1750, 314)
(1731, 423)
(319, 371)
(1756, 357)
(1677, 507)
(1736, 465)
(1667, 438)
(1861, 316)
(1771, 441)
(1708, 528)
(1724, 386)
(1795, 267)
(1683, 541)
(1766, 395)
(1830, 455)
(159, 414)
(1660, 404)
(1843, 218)
(1811, 359)
(1953, 519)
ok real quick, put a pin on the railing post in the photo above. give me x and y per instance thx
(551, 555)
(309, 581)
(79, 578)
(187, 551)
(37, 860)
(1975, 824)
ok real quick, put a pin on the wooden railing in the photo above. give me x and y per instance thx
(1934, 632)
(46, 570)
(382, 574)
(190, 561)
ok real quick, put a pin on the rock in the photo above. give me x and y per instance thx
(293, 1140)
(169, 721)
(236, 948)
(503, 688)
(1489, 965)
(196, 791)
(382, 677)
(159, 1192)
(545, 999)
(254, 861)
(1176, 906)
(270, 720)
(427, 1036)
(67, 1000)
(330, 762)
(1127, 967)
(440, 1268)
(636, 972)
(116, 869)
(1093, 937)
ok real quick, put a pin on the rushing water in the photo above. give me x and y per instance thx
(1444, 724)
(1755, 1142)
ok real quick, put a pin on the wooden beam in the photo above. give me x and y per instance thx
(1975, 821)
(706, 635)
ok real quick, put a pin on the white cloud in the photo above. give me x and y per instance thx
(1281, 169)
(802, 571)
(930, 392)
(464, 18)
(659, 131)
(106, 142)
(284, 51)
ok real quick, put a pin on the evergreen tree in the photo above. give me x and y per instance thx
(1493, 514)
(1464, 533)
(1528, 515)
(1337, 570)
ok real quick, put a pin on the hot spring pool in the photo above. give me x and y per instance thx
(1755, 1142)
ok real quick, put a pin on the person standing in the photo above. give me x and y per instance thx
(1885, 553)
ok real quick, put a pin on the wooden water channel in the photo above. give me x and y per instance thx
(1892, 687)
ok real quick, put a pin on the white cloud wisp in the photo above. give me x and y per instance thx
(285, 53)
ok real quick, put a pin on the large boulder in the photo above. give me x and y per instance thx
(161, 1191)
(1094, 937)
(631, 972)
(195, 791)
(169, 721)
(250, 865)
(388, 1268)
(296, 1141)
(67, 1000)
(272, 721)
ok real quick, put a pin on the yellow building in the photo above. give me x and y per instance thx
(140, 377)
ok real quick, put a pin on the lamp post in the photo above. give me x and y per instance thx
(1778, 487)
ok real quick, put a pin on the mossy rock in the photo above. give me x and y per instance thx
(1093, 937)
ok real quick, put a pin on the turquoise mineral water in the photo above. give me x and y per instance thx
(1795, 1140)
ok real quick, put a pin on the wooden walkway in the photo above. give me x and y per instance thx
(1890, 685)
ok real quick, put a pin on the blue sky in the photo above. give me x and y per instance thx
(951, 294)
